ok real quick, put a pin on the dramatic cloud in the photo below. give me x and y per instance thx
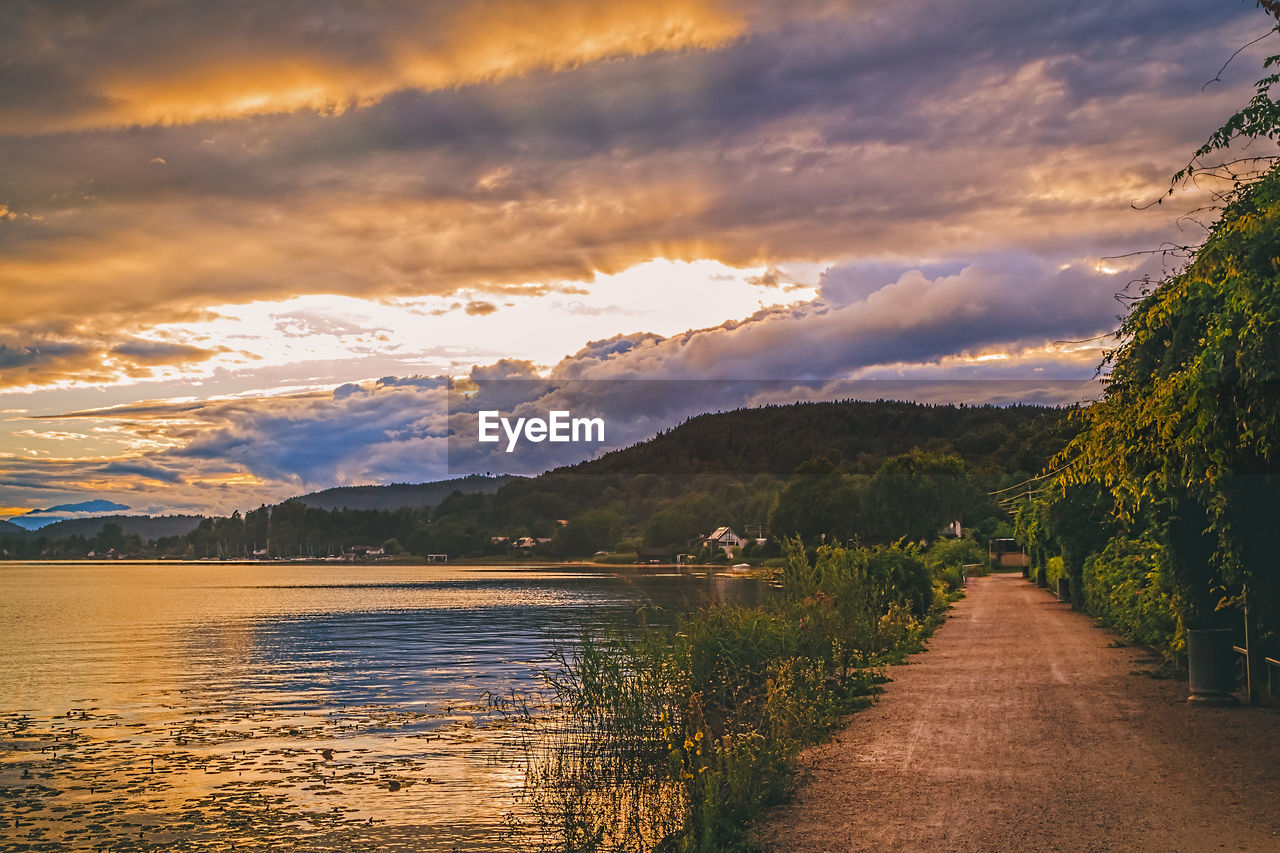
(232, 209)
(984, 332)
(864, 320)
(813, 135)
(119, 64)
(48, 360)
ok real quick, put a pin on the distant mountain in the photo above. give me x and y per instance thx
(402, 495)
(85, 506)
(147, 527)
(39, 518)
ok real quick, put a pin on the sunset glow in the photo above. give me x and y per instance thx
(227, 229)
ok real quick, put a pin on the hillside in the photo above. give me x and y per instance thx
(402, 495)
(777, 439)
(875, 471)
(734, 468)
(144, 526)
(9, 528)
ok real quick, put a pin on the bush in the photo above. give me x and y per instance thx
(675, 738)
(947, 558)
(1129, 586)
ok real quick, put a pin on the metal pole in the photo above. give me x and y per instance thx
(1250, 658)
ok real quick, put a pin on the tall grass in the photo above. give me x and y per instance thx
(675, 737)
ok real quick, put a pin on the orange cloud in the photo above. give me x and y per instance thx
(172, 262)
(54, 360)
(199, 77)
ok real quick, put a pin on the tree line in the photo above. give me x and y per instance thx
(874, 472)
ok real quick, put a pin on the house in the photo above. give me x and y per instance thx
(723, 537)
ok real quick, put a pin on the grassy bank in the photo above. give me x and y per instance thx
(677, 736)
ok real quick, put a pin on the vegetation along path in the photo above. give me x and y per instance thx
(1026, 728)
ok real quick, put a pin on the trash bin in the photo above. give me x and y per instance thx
(1064, 589)
(1211, 666)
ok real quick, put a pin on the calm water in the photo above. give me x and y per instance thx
(215, 706)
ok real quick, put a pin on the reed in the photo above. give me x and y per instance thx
(675, 737)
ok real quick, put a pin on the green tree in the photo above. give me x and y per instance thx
(585, 534)
(915, 494)
(1188, 428)
(818, 501)
(109, 537)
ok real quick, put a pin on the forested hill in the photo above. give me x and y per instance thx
(146, 527)
(402, 495)
(778, 439)
(860, 461)
(873, 471)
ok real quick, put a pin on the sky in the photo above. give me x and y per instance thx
(250, 250)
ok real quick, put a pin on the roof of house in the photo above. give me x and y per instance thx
(722, 531)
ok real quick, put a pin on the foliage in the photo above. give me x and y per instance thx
(1189, 426)
(916, 493)
(1129, 586)
(911, 495)
(1181, 452)
(733, 468)
(677, 738)
(947, 558)
(1258, 119)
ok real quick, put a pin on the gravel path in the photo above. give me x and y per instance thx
(1024, 729)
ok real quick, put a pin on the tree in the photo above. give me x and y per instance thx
(585, 534)
(109, 537)
(1190, 422)
(818, 500)
(915, 494)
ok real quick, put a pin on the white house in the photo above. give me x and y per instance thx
(723, 537)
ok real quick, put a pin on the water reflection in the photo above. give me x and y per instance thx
(180, 706)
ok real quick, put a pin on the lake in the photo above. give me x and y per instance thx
(221, 706)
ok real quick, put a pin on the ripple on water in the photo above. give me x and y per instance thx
(216, 707)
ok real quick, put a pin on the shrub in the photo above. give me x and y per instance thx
(1130, 587)
(674, 738)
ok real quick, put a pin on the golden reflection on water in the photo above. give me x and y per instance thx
(198, 706)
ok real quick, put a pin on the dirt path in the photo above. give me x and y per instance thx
(1023, 729)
